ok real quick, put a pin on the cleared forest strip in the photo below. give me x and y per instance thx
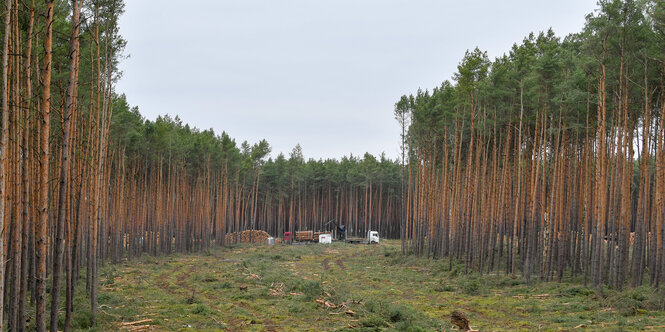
(288, 288)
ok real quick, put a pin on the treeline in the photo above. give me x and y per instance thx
(85, 179)
(549, 160)
(170, 181)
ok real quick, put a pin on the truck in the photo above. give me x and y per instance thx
(311, 236)
(303, 236)
(372, 238)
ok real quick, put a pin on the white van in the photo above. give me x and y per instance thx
(325, 238)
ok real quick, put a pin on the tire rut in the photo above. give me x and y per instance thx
(183, 277)
(163, 284)
(340, 263)
(325, 264)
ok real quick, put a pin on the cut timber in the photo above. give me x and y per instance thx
(136, 322)
(135, 328)
(308, 236)
(248, 236)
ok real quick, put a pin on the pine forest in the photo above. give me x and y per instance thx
(546, 163)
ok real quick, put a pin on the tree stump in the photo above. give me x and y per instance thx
(459, 318)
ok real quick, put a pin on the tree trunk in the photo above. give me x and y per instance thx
(42, 220)
(3, 148)
(64, 168)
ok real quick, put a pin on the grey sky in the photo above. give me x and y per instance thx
(322, 73)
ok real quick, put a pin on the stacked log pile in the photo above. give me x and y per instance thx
(248, 236)
(309, 235)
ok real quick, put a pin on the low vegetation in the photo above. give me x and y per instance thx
(344, 287)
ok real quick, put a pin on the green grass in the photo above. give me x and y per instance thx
(260, 288)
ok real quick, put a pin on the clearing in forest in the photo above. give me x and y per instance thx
(341, 286)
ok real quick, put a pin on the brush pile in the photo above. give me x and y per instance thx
(248, 236)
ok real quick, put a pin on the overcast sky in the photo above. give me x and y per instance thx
(322, 73)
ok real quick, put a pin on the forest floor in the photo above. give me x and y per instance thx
(346, 287)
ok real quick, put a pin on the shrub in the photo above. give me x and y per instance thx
(656, 300)
(81, 320)
(403, 318)
(442, 286)
(509, 281)
(630, 302)
(390, 253)
(576, 291)
(311, 288)
(471, 287)
(109, 277)
(372, 321)
(201, 309)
